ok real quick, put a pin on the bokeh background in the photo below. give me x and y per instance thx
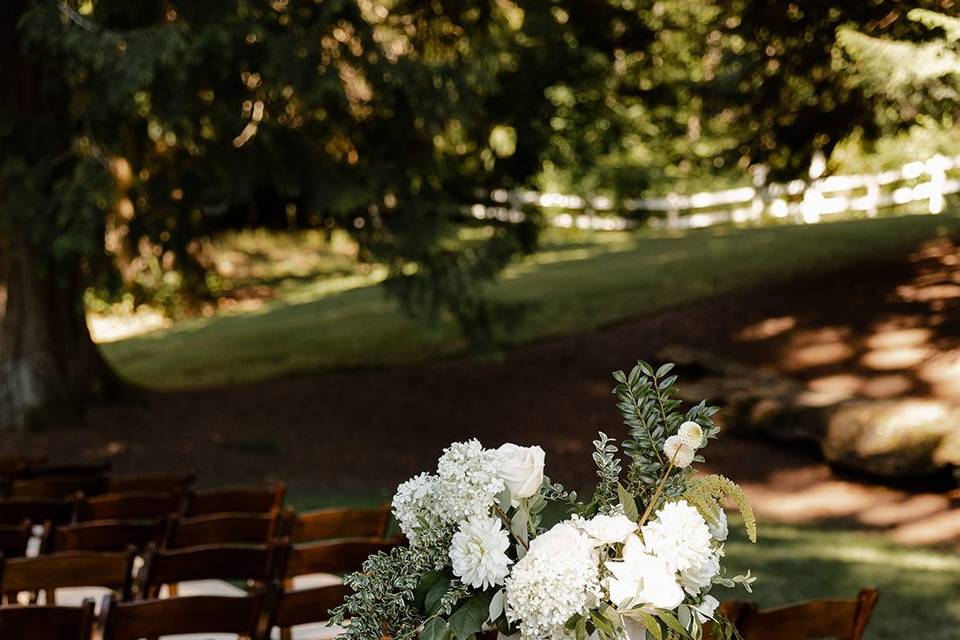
(317, 241)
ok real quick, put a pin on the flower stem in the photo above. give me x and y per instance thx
(506, 521)
(656, 495)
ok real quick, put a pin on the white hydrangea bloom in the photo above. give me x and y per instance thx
(697, 578)
(469, 480)
(416, 506)
(679, 536)
(692, 434)
(641, 579)
(606, 529)
(678, 452)
(478, 552)
(557, 578)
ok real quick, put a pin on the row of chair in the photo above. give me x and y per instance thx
(253, 616)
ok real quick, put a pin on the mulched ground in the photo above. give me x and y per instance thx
(883, 329)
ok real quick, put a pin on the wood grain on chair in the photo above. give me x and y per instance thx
(237, 500)
(55, 510)
(107, 535)
(170, 616)
(129, 505)
(834, 618)
(222, 528)
(110, 570)
(47, 622)
(57, 486)
(339, 523)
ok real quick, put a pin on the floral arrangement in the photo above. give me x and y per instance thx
(495, 546)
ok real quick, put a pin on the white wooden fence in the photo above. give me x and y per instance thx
(803, 201)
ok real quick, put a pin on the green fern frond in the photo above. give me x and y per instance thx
(707, 493)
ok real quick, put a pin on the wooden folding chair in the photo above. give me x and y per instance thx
(304, 606)
(257, 565)
(66, 470)
(55, 510)
(57, 486)
(338, 522)
(236, 500)
(151, 483)
(170, 616)
(224, 528)
(132, 505)
(36, 622)
(13, 465)
(14, 539)
(110, 570)
(834, 618)
(107, 535)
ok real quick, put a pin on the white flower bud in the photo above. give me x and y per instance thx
(678, 452)
(692, 434)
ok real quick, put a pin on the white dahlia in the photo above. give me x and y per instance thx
(558, 577)
(679, 536)
(469, 480)
(478, 552)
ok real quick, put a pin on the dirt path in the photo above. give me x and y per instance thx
(886, 329)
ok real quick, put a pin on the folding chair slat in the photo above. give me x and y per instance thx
(333, 556)
(111, 570)
(170, 616)
(340, 523)
(33, 622)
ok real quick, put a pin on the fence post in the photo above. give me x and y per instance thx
(936, 168)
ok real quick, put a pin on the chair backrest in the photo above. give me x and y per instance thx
(236, 500)
(257, 564)
(66, 469)
(34, 622)
(57, 486)
(834, 618)
(14, 539)
(170, 616)
(13, 465)
(333, 556)
(152, 483)
(55, 510)
(324, 524)
(107, 535)
(303, 606)
(224, 528)
(132, 505)
(111, 570)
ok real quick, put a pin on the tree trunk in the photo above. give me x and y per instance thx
(49, 365)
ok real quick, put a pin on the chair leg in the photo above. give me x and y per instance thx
(286, 633)
(866, 602)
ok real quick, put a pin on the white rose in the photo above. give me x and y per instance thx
(604, 529)
(692, 434)
(699, 577)
(521, 469)
(678, 452)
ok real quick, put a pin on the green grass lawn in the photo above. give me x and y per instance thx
(919, 587)
(577, 281)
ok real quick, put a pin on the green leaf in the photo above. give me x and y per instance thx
(469, 618)
(496, 605)
(673, 623)
(629, 503)
(431, 602)
(650, 623)
(518, 525)
(436, 629)
(504, 499)
(427, 581)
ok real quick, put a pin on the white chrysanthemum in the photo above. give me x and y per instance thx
(478, 552)
(719, 529)
(641, 579)
(697, 578)
(558, 577)
(679, 536)
(678, 452)
(469, 480)
(606, 529)
(692, 434)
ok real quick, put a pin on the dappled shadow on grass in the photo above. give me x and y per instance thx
(920, 589)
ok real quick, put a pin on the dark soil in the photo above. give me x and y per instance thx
(362, 432)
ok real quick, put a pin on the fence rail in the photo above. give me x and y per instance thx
(805, 201)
